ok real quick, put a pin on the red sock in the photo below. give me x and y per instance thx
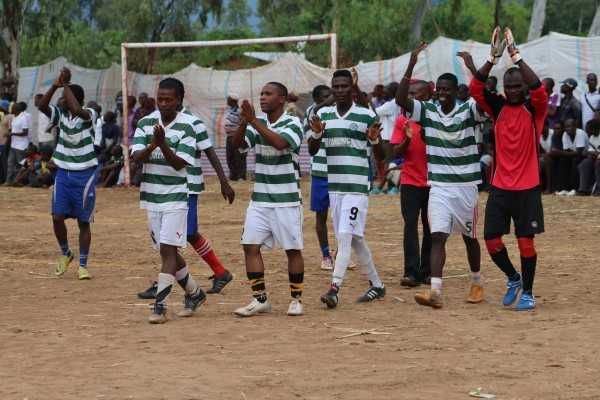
(204, 250)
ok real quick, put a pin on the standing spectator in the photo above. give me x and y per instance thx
(376, 96)
(515, 193)
(453, 173)
(131, 100)
(388, 113)
(414, 193)
(274, 216)
(291, 107)
(5, 127)
(545, 157)
(110, 132)
(74, 194)
(590, 100)
(19, 141)
(589, 168)
(31, 130)
(141, 111)
(44, 128)
(349, 131)
(319, 190)
(575, 143)
(236, 160)
(553, 102)
(570, 107)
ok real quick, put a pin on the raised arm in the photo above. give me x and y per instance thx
(44, 105)
(360, 97)
(74, 105)
(402, 94)
(249, 116)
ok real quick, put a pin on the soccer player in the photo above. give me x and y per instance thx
(165, 144)
(515, 179)
(195, 183)
(274, 215)
(349, 131)
(319, 194)
(74, 194)
(453, 173)
(414, 192)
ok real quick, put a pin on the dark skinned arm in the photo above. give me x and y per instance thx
(174, 160)
(249, 116)
(360, 97)
(239, 138)
(74, 105)
(402, 94)
(317, 127)
(226, 190)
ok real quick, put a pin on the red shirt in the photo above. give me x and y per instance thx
(414, 171)
(517, 132)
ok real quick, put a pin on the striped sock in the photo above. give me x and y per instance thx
(64, 248)
(476, 278)
(436, 284)
(296, 285)
(204, 250)
(185, 280)
(165, 284)
(83, 256)
(325, 249)
(257, 283)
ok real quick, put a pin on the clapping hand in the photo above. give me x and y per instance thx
(159, 135)
(414, 55)
(514, 53)
(374, 132)
(247, 112)
(316, 125)
(408, 131)
(498, 46)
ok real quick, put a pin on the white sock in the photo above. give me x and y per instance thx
(342, 259)
(165, 284)
(477, 278)
(436, 284)
(185, 280)
(365, 260)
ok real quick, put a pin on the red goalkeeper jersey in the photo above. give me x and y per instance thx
(517, 131)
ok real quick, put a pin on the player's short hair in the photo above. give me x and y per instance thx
(77, 92)
(280, 88)
(550, 81)
(22, 105)
(39, 96)
(173, 84)
(318, 89)
(447, 76)
(463, 86)
(493, 79)
(512, 71)
(343, 73)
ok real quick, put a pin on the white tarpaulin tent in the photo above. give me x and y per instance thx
(555, 55)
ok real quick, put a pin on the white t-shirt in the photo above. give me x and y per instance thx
(43, 125)
(581, 141)
(594, 144)
(30, 127)
(19, 124)
(546, 143)
(388, 113)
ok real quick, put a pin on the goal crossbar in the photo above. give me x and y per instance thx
(331, 37)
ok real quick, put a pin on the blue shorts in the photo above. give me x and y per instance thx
(319, 194)
(74, 194)
(192, 214)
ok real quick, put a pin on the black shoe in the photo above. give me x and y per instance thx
(192, 302)
(149, 293)
(409, 281)
(330, 299)
(220, 282)
(372, 294)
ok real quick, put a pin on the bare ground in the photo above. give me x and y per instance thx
(65, 339)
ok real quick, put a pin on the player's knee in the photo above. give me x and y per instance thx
(526, 247)
(494, 245)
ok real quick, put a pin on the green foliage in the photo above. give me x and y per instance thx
(572, 17)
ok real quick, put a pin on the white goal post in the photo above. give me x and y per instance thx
(331, 37)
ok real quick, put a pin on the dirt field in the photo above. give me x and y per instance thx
(65, 339)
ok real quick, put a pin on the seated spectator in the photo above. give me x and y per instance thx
(462, 94)
(545, 158)
(110, 132)
(108, 174)
(28, 166)
(46, 173)
(392, 177)
(589, 168)
(575, 144)
(485, 161)
(556, 134)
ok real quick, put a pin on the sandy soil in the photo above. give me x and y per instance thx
(65, 339)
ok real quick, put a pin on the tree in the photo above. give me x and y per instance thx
(12, 18)
(415, 27)
(538, 15)
(237, 14)
(595, 28)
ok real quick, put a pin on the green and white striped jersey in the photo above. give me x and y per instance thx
(318, 162)
(347, 148)
(452, 157)
(164, 188)
(276, 181)
(76, 140)
(195, 176)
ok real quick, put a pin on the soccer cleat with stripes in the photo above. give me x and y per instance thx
(372, 293)
(512, 290)
(476, 294)
(83, 273)
(431, 299)
(63, 264)
(159, 314)
(220, 282)
(192, 303)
